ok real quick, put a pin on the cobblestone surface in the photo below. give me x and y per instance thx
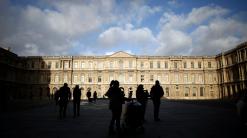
(178, 120)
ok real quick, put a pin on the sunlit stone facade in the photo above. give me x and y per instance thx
(182, 77)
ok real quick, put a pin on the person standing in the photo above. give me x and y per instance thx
(156, 93)
(115, 95)
(95, 96)
(89, 94)
(76, 100)
(142, 98)
(64, 96)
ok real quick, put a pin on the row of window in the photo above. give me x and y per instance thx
(192, 78)
(186, 92)
(120, 64)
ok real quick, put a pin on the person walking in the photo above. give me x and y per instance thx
(64, 95)
(115, 95)
(142, 98)
(89, 95)
(76, 100)
(156, 93)
(95, 96)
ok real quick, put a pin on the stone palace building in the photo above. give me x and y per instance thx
(182, 77)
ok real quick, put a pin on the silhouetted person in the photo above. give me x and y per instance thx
(89, 94)
(115, 95)
(95, 96)
(130, 94)
(142, 98)
(156, 93)
(48, 95)
(64, 96)
(76, 100)
(56, 96)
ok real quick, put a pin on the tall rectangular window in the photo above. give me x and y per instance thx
(185, 65)
(151, 64)
(57, 65)
(201, 91)
(121, 64)
(209, 64)
(49, 65)
(66, 65)
(82, 64)
(90, 79)
(130, 64)
(82, 78)
(158, 64)
(151, 78)
(187, 92)
(166, 64)
(194, 91)
(200, 78)
(175, 65)
(130, 78)
(91, 65)
(76, 65)
(193, 78)
(192, 64)
(185, 78)
(199, 64)
(142, 64)
(99, 79)
(111, 64)
(56, 78)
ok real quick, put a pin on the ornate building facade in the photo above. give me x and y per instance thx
(182, 77)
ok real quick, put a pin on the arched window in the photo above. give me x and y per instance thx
(167, 91)
(187, 92)
(201, 91)
(194, 91)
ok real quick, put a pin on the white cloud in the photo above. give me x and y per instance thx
(205, 30)
(53, 30)
(119, 36)
(173, 42)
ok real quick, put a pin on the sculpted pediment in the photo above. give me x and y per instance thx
(121, 54)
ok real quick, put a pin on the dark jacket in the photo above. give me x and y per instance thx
(141, 96)
(156, 93)
(116, 98)
(88, 94)
(77, 95)
(64, 94)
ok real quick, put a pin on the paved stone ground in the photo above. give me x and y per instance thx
(178, 120)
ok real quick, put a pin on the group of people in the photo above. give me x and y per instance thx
(116, 97)
(63, 96)
(89, 94)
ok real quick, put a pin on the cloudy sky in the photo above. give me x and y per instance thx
(141, 27)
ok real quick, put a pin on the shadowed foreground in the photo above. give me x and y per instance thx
(178, 119)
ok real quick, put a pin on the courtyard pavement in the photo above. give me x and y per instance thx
(178, 120)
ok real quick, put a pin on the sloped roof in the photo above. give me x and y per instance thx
(121, 54)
